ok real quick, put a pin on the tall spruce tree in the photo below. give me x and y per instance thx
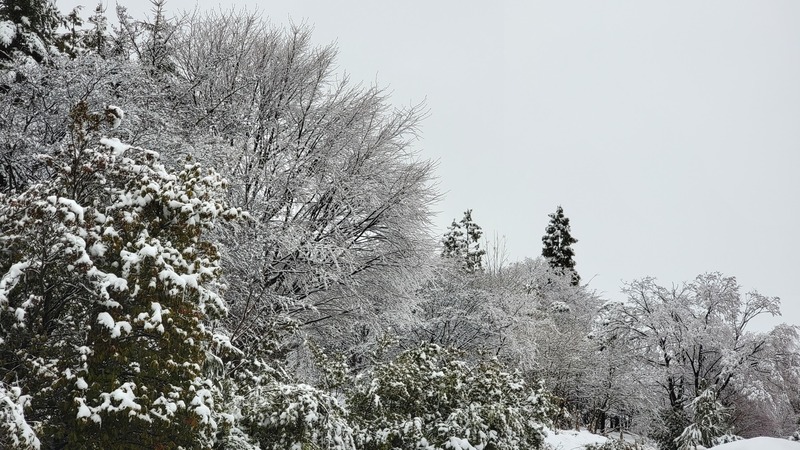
(557, 242)
(462, 241)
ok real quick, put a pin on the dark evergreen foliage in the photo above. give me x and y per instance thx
(557, 246)
(673, 421)
(28, 27)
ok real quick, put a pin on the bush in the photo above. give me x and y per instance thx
(428, 399)
(283, 415)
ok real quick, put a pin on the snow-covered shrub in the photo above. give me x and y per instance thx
(710, 425)
(105, 285)
(428, 399)
(236, 439)
(296, 416)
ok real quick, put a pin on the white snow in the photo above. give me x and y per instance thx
(98, 249)
(126, 398)
(760, 443)
(75, 209)
(571, 439)
(117, 327)
(116, 146)
(10, 279)
(458, 444)
(105, 319)
(83, 410)
(154, 321)
(7, 32)
(12, 410)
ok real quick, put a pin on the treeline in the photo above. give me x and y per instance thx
(210, 238)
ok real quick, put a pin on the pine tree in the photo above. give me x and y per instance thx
(28, 27)
(557, 245)
(462, 242)
(710, 426)
(105, 288)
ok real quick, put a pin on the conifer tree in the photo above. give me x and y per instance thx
(97, 38)
(106, 284)
(462, 242)
(557, 245)
(710, 426)
(28, 27)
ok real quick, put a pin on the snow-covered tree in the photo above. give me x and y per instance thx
(35, 107)
(765, 400)
(84, 36)
(326, 168)
(291, 415)
(552, 336)
(151, 42)
(458, 309)
(557, 245)
(15, 431)
(106, 286)
(709, 426)
(695, 337)
(533, 318)
(97, 38)
(28, 28)
(462, 242)
(428, 399)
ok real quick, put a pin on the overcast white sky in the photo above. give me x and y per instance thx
(668, 131)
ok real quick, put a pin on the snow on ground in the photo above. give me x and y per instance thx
(572, 440)
(578, 440)
(760, 443)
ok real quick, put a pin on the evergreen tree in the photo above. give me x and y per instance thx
(79, 39)
(557, 245)
(710, 426)
(149, 41)
(97, 38)
(462, 242)
(105, 289)
(28, 27)
(71, 43)
(157, 51)
(453, 241)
